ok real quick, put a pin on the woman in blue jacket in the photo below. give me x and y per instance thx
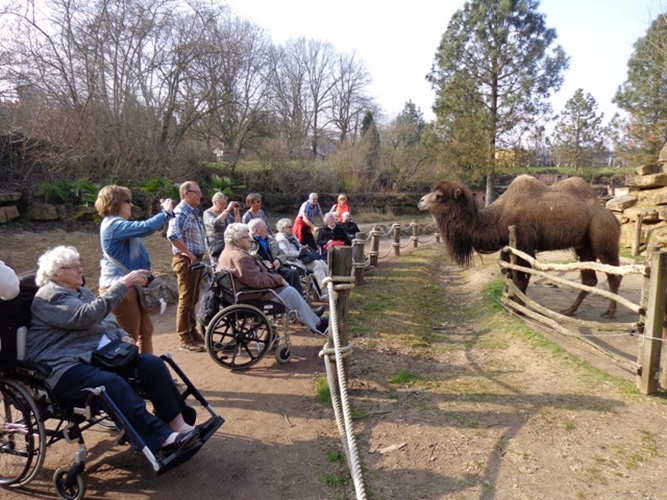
(123, 251)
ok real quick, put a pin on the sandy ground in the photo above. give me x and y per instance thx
(515, 422)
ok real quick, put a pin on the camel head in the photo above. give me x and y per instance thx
(453, 208)
(439, 196)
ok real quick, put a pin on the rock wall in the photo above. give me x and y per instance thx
(647, 196)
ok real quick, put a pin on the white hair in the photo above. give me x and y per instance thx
(255, 223)
(53, 260)
(328, 216)
(282, 223)
(236, 231)
(218, 197)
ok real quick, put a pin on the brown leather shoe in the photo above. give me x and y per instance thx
(192, 347)
(196, 338)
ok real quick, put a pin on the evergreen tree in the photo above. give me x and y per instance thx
(579, 136)
(642, 96)
(370, 137)
(409, 125)
(501, 48)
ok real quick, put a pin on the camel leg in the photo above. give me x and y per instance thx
(614, 282)
(520, 280)
(588, 278)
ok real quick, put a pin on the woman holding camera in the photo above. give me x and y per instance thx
(123, 252)
(216, 220)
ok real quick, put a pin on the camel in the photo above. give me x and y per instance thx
(565, 215)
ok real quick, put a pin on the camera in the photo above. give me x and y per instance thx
(149, 278)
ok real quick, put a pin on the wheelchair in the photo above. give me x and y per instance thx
(32, 418)
(311, 289)
(244, 330)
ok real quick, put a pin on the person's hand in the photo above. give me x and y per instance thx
(128, 339)
(138, 277)
(191, 257)
(277, 264)
(167, 205)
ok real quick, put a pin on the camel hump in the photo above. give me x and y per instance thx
(523, 186)
(576, 186)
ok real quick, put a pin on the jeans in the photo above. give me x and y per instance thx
(154, 379)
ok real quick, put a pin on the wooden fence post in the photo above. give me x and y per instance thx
(415, 234)
(397, 239)
(358, 261)
(341, 265)
(374, 254)
(649, 356)
(636, 241)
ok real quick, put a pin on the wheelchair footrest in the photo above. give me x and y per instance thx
(206, 430)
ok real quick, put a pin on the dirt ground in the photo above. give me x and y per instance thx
(496, 416)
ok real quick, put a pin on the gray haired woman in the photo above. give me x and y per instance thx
(216, 220)
(294, 250)
(249, 274)
(69, 323)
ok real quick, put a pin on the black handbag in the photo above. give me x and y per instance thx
(116, 355)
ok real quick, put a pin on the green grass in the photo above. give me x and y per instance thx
(322, 391)
(404, 377)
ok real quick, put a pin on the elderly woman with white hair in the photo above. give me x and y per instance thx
(302, 254)
(216, 219)
(249, 274)
(69, 324)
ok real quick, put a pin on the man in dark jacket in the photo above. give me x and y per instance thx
(266, 249)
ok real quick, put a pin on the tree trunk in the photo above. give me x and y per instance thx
(490, 187)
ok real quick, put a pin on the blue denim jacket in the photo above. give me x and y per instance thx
(121, 239)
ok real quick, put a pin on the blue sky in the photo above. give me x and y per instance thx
(397, 40)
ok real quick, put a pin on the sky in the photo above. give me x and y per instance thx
(397, 41)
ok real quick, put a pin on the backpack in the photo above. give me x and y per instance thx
(209, 303)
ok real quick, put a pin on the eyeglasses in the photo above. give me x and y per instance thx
(287, 227)
(193, 191)
(245, 237)
(74, 266)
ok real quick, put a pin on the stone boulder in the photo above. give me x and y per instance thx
(621, 203)
(647, 181)
(652, 168)
(7, 214)
(41, 212)
(10, 197)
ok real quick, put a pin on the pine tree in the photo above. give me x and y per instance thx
(643, 95)
(579, 136)
(501, 49)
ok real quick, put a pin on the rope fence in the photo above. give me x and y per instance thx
(347, 266)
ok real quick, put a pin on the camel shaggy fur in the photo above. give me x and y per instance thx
(565, 215)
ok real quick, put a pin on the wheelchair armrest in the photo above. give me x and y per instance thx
(38, 369)
(276, 297)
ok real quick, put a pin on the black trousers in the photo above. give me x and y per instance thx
(291, 275)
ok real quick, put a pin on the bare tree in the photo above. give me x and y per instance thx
(350, 99)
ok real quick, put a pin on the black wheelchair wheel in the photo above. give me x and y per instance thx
(75, 491)
(22, 435)
(239, 336)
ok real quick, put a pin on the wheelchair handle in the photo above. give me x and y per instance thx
(197, 265)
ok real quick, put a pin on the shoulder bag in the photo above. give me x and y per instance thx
(151, 296)
(115, 356)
